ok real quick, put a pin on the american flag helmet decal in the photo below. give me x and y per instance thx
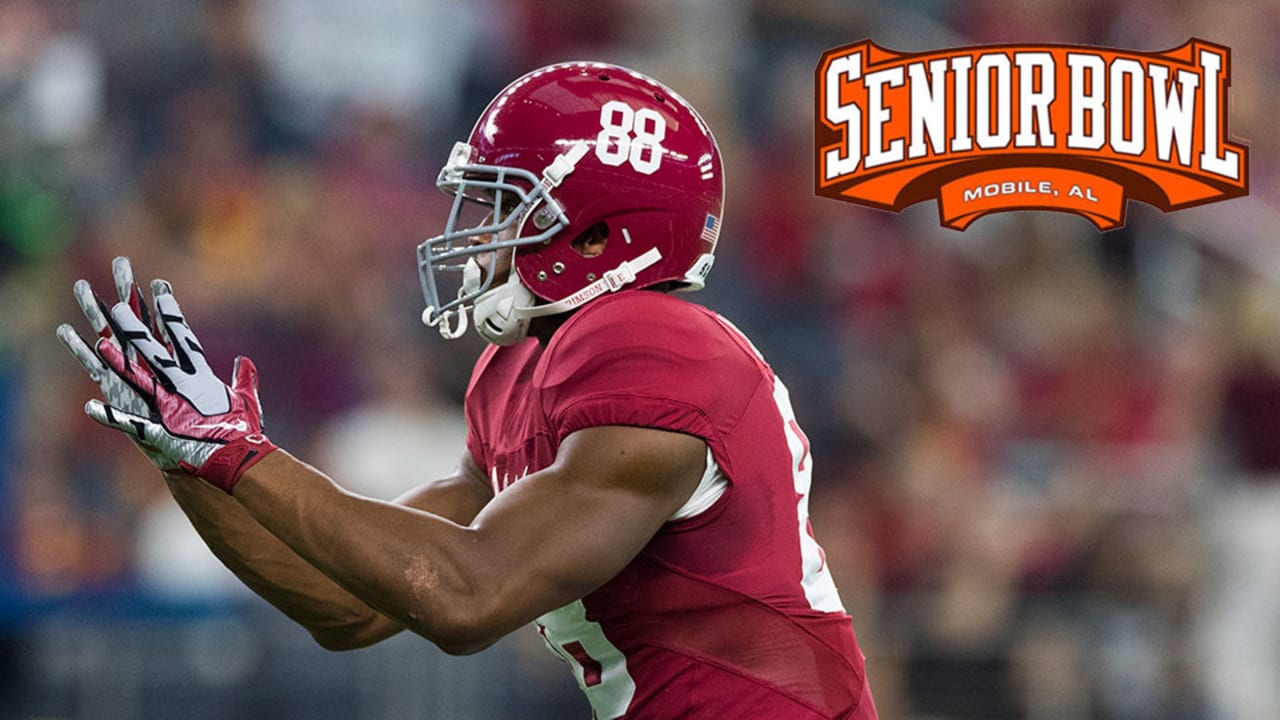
(711, 230)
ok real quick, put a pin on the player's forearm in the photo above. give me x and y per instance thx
(336, 618)
(413, 566)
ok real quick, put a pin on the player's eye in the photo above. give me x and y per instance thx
(474, 213)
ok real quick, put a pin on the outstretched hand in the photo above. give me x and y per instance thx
(162, 392)
(115, 391)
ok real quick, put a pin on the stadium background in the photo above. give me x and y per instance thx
(1047, 458)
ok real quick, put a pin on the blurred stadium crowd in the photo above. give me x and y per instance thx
(1048, 459)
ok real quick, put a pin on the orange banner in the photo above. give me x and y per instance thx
(962, 201)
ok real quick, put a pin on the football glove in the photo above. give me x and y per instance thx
(192, 418)
(115, 391)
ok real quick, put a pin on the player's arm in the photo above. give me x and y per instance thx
(547, 540)
(337, 619)
(543, 542)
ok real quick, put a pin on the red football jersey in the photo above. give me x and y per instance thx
(730, 613)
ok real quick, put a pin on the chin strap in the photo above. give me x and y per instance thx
(505, 318)
(451, 324)
(612, 281)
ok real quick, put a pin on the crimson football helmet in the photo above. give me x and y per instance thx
(597, 176)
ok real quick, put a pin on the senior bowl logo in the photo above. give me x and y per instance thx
(1026, 127)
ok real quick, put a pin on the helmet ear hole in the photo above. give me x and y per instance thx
(591, 242)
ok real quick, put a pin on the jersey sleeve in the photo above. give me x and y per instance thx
(648, 360)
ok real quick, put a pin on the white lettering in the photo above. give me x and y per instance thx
(1034, 126)
(1087, 99)
(1228, 163)
(961, 141)
(928, 108)
(993, 133)
(878, 114)
(1085, 193)
(1008, 187)
(848, 67)
(1172, 112)
(1128, 103)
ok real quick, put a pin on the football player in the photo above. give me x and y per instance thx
(634, 480)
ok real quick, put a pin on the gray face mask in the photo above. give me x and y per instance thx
(509, 197)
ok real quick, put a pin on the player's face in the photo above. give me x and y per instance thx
(501, 258)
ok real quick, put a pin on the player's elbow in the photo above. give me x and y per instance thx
(465, 631)
(353, 635)
(338, 641)
(462, 634)
(468, 620)
(465, 644)
(462, 611)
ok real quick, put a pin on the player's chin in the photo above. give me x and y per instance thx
(500, 261)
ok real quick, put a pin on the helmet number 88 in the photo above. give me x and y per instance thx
(628, 135)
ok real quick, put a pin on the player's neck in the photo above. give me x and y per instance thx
(543, 328)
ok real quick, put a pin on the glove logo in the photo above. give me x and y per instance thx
(990, 129)
(238, 426)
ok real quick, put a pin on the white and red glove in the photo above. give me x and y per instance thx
(193, 420)
(115, 391)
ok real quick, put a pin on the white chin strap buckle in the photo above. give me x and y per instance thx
(451, 324)
(619, 277)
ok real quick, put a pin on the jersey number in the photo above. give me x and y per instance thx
(819, 588)
(598, 665)
(629, 135)
(591, 670)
